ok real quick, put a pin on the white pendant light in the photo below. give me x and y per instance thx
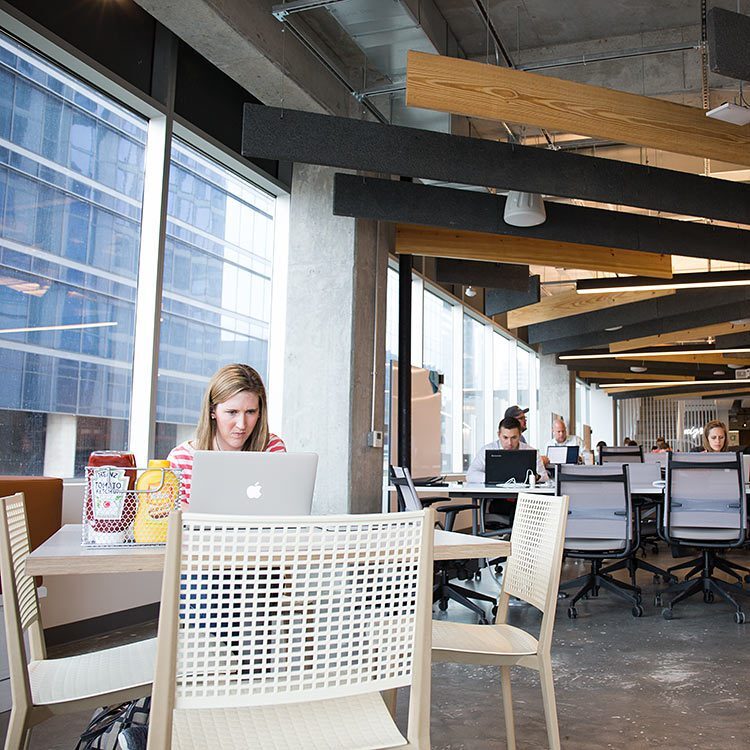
(524, 209)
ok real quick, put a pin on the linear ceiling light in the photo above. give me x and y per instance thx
(653, 353)
(673, 383)
(69, 327)
(678, 281)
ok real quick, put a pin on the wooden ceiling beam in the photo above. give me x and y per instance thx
(447, 243)
(571, 303)
(474, 89)
(612, 376)
(676, 337)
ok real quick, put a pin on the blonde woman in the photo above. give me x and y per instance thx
(715, 437)
(233, 418)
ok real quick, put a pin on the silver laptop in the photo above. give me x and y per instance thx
(253, 483)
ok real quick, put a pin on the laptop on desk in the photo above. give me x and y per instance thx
(500, 466)
(563, 454)
(252, 483)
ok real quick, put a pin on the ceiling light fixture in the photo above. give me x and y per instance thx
(613, 328)
(637, 368)
(524, 209)
(674, 383)
(653, 353)
(70, 327)
(729, 112)
(470, 291)
(678, 281)
(719, 372)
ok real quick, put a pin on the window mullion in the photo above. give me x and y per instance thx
(150, 276)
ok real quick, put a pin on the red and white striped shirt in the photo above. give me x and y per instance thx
(181, 457)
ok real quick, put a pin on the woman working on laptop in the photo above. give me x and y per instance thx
(233, 418)
(715, 437)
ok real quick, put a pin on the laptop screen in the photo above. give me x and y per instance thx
(563, 454)
(501, 466)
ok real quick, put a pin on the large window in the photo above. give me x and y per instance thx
(474, 391)
(71, 187)
(503, 355)
(437, 355)
(216, 306)
(73, 176)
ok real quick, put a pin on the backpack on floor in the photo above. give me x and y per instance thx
(107, 723)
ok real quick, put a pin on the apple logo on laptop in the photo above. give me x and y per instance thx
(254, 491)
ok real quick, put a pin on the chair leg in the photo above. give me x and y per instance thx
(510, 727)
(19, 733)
(550, 705)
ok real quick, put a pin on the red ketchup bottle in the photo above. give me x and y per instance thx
(110, 502)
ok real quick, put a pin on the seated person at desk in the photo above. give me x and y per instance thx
(509, 439)
(520, 414)
(715, 438)
(560, 438)
(233, 418)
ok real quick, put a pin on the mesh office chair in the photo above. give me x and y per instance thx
(601, 526)
(705, 507)
(620, 454)
(443, 590)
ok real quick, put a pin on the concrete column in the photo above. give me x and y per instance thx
(60, 445)
(554, 396)
(335, 330)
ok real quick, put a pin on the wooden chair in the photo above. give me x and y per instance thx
(282, 632)
(46, 687)
(533, 575)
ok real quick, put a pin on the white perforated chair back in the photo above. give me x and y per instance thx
(705, 503)
(533, 568)
(283, 610)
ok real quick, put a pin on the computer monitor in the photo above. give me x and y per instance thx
(501, 466)
(563, 454)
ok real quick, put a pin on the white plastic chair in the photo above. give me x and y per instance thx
(281, 632)
(533, 575)
(47, 687)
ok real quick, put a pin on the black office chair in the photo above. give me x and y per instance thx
(443, 590)
(602, 525)
(705, 507)
(620, 454)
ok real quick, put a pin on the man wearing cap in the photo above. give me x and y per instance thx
(520, 414)
(508, 439)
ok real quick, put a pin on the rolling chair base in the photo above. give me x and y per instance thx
(709, 585)
(598, 578)
(444, 590)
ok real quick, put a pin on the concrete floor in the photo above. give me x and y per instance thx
(621, 682)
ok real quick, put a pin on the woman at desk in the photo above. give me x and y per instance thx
(508, 439)
(715, 437)
(233, 418)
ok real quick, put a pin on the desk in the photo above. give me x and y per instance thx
(62, 554)
(465, 489)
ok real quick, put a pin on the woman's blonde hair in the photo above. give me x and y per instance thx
(713, 424)
(227, 382)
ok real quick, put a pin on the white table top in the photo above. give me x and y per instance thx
(458, 489)
(62, 553)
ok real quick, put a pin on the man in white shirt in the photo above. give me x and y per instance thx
(561, 438)
(508, 439)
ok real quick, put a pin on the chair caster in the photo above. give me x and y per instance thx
(478, 575)
(483, 620)
(637, 611)
(739, 617)
(595, 592)
(667, 613)
(572, 613)
(462, 575)
(708, 597)
(658, 600)
(638, 599)
(494, 612)
(498, 570)
(443, 605)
